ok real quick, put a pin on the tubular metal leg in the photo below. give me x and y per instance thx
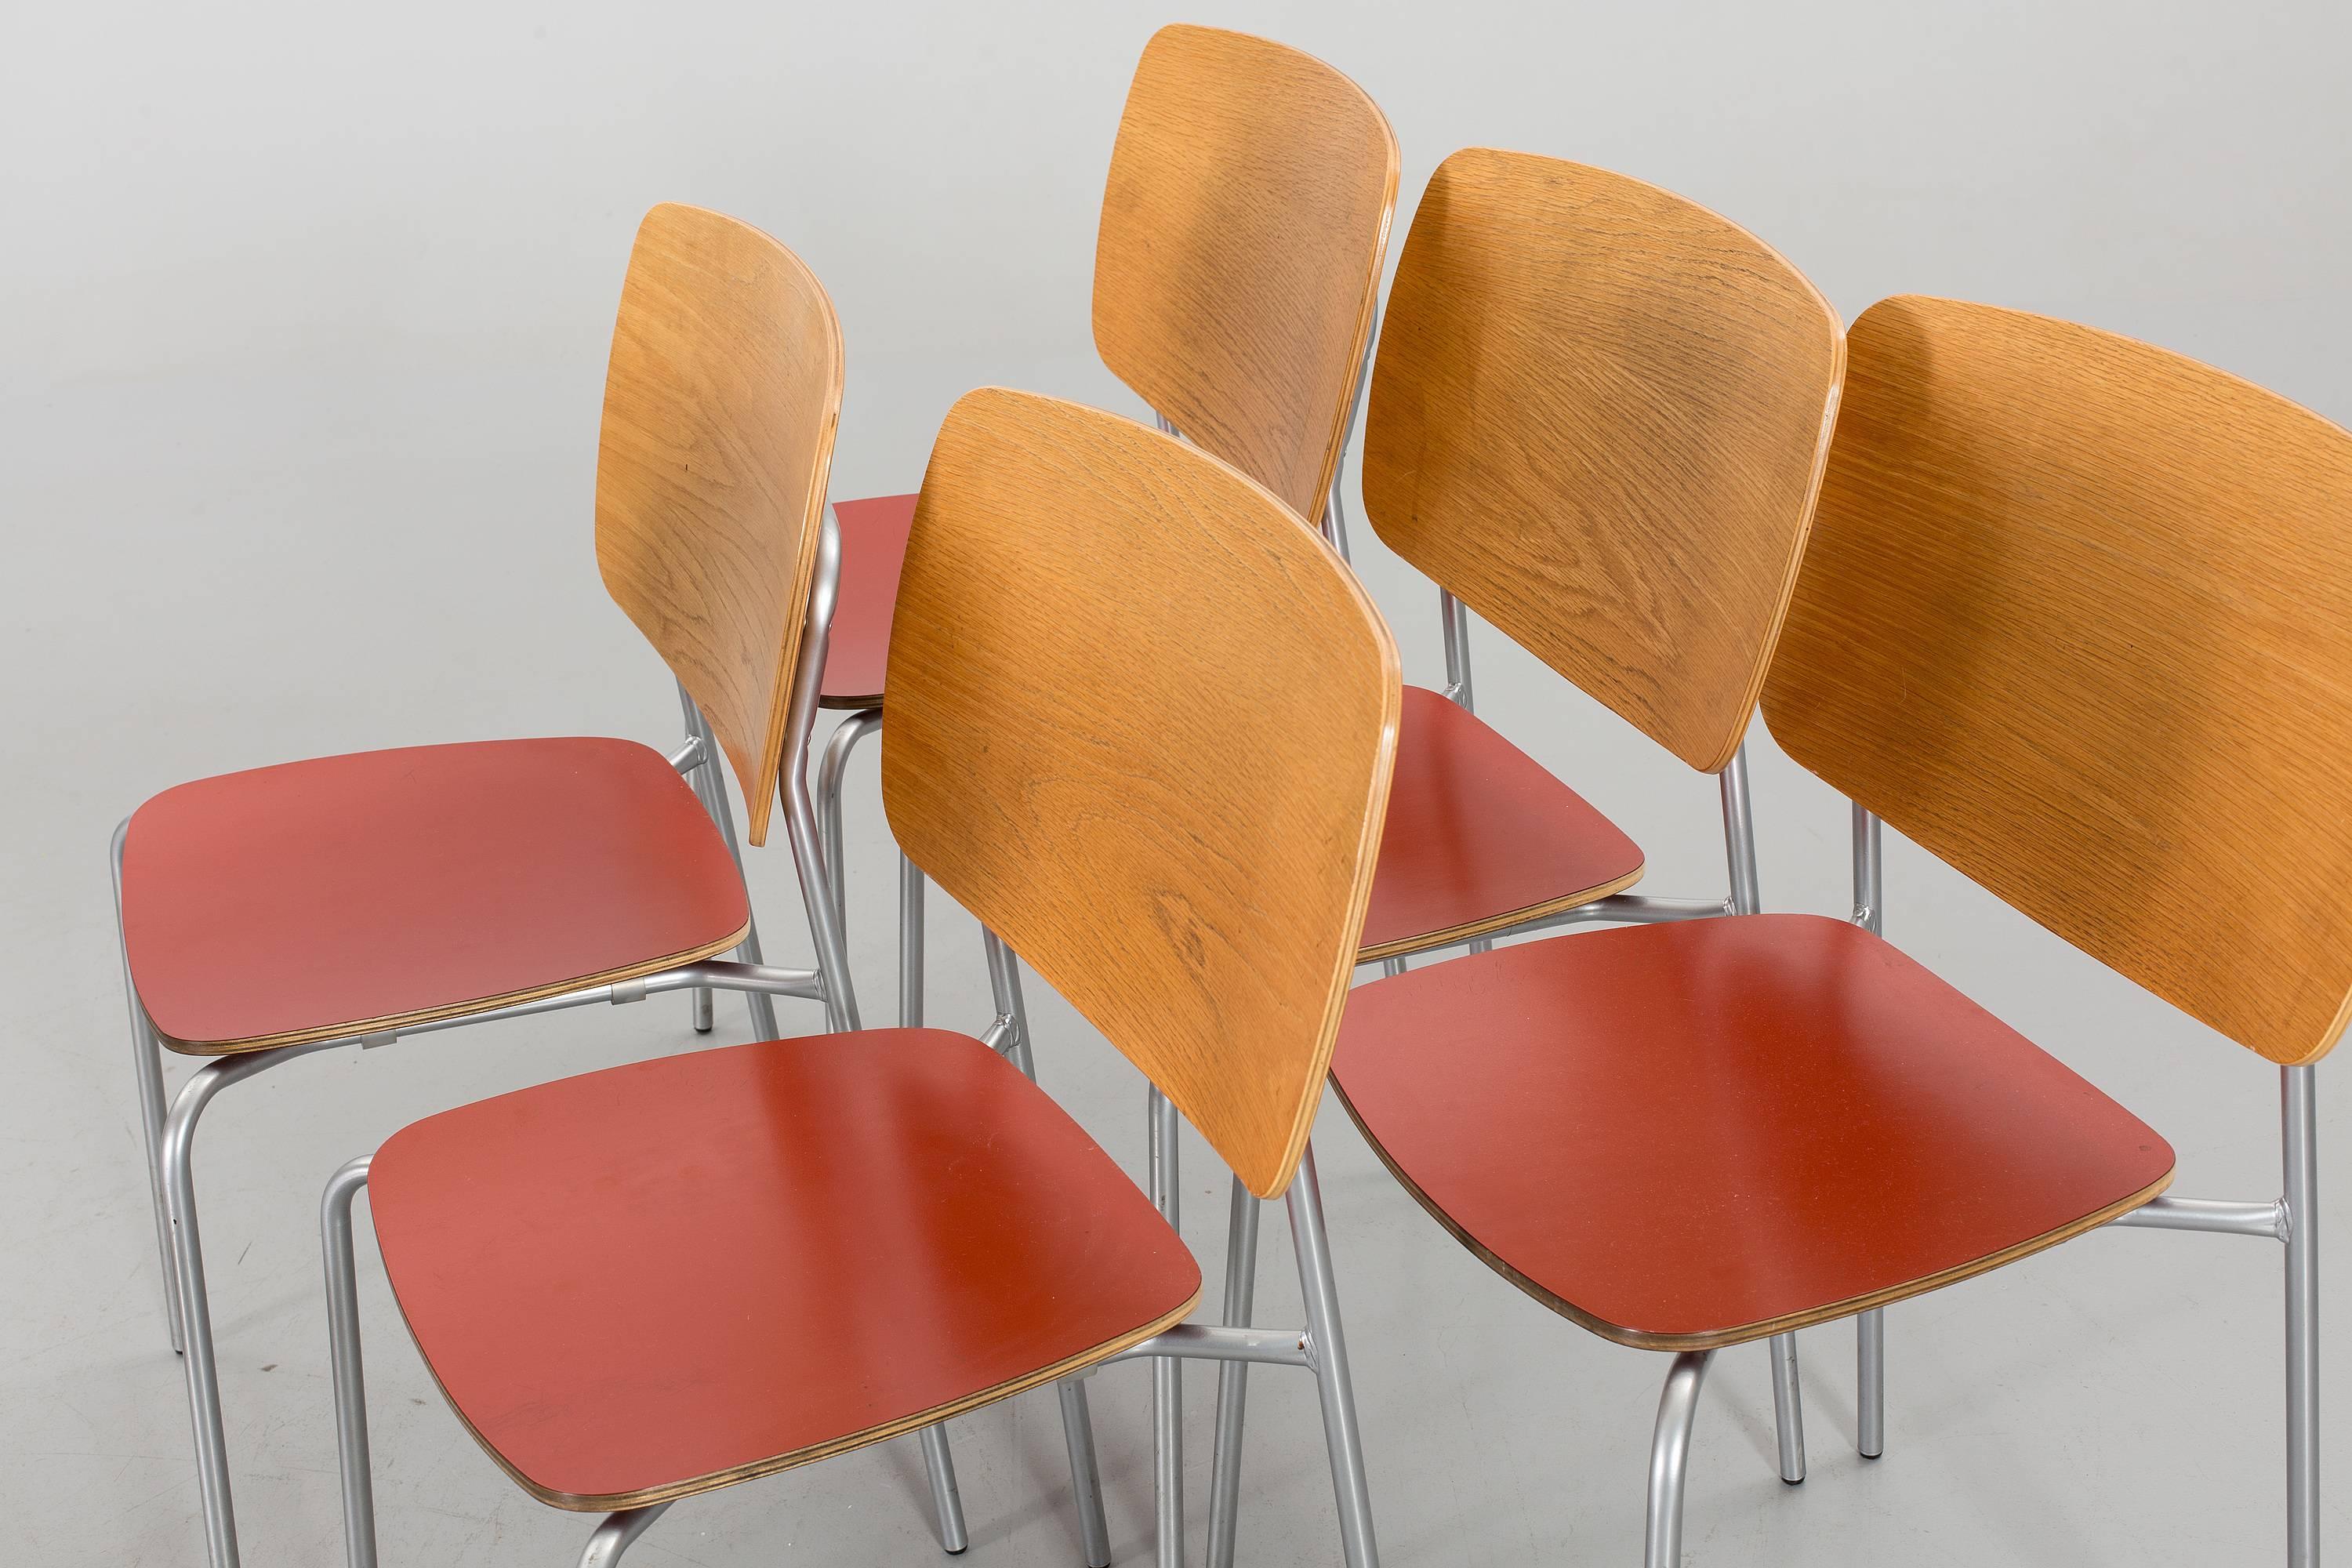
(1233, 1377)
(195, 1314)
(618, 1533)
(1335, 516)
(1077, 1418)
(1313, 1245)
(147, 1072)
(1167, 1372)
(763, 1007)
(349, 1373)
(1788, 1408)
(911, 943)
(1085, 1480)
(1670, 1459)
(702, 778)
(1870, 1383)
(946, 1502)
(2300, 1123)
(816, 900)
(1005, 985)
(829, 775)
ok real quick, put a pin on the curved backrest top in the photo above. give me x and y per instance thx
(719, 407)
(1243, 228)
(1599, 417)
(1141, 724)
(2077, 619)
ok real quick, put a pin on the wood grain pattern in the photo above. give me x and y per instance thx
(1243, 226)
(2077, 619)
(1599, 416)
(1142, 725)
(719, 407)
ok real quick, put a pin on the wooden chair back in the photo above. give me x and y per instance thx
(721, 402)
(1243, 228)
(1141, 725)
(2077, 619)
(1599, 418)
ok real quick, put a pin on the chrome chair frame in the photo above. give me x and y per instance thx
(1319, 1347)
(1622, 908)
(2291, 1219)
(171, 1134)
(1007, 1035)
(1235, 1344)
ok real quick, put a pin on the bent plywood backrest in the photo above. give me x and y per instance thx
(2077, 619)
(720, 409)
(1141, 725)
(1243, 228)
(1599, 418)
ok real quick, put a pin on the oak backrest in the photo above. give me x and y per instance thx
(1243, 228)
(720, 407)
(1141, 725)
(2077, 619)
(1599, 417)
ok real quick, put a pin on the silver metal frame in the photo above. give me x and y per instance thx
(1319, 1347)
(171, 1132)
(698, 760)
(1334, 521)
(613, 1536)
(1661, 1534)
(2292, 1220)
(1008, 1033)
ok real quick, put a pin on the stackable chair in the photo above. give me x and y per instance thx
(349, 900)
(1236, 273)
(1142, 726)
(1597, 418)
(2072, 619)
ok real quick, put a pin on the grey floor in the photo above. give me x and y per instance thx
(305, 312)
(2114, 1401)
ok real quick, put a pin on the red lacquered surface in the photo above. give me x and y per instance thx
(1479, 836)
(873, 547)
(650, 1281)
(318, 897)
(1694, 1134)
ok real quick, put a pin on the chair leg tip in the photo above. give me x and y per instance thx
(1792, 1480)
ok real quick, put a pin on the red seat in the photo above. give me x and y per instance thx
(1694, 1134)
(873, 548)
(344, 894)
(1479, 836)
(689, 1271)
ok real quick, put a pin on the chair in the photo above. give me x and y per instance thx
(1236, 282)
(1236, 271)
(2071, 620)
(1598, 417)
(1167, 801)
(271, 914)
